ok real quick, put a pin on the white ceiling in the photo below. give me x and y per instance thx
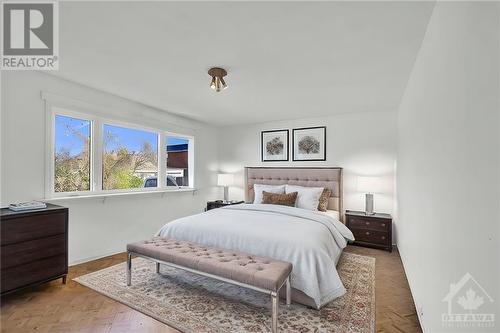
(284, 60)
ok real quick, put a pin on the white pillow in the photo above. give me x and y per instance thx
(307, 197)
(332, 213)
(259, 188)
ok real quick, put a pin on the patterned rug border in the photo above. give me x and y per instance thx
(129, 304)
(175, 325)
(373, 315)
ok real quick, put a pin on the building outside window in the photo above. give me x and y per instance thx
(178, 160)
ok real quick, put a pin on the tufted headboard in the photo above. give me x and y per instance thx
(312, 177)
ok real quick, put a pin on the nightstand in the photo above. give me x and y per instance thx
(220, 203)
(370, 230)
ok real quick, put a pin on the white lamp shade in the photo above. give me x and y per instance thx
(225, 179)
(369, 184)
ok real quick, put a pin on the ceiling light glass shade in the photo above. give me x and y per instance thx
(224, 85)
(217, 83)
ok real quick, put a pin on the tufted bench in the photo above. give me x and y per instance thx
(257, 273)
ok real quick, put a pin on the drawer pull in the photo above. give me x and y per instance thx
(383, 224)
(383, 237)
(368, 233)
(367, 223)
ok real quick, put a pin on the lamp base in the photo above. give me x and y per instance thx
(226, 193)
(369, 204)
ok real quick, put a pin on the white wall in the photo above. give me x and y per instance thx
(97, 227)
(361, 143)
(448, 158)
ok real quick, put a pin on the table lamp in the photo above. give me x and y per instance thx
(226, 180)
(369, 185)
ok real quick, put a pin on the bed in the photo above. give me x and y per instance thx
(312, 241)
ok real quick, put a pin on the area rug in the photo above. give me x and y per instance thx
(191, 303)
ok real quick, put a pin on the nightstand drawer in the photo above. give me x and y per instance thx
(371, 236)
(373, 224)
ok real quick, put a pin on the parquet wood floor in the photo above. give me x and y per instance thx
(395, 310)
(54, 307)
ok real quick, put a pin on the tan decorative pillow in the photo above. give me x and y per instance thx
(287, 199)
(323, 199)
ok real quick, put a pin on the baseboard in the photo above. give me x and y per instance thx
(411, 291)
(81, 261)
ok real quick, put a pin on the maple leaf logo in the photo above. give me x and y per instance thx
(470, 301)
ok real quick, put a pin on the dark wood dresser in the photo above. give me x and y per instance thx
(34, 247)
(370, 230)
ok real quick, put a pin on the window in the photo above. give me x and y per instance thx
(177, 161)
(130, 157)
(71, 154)
(94, 155)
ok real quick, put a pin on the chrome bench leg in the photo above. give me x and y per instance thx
(288, 291)
(157, 268)
(274, 314)
(129, 269)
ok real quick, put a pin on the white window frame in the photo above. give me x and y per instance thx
(190, 156)
(97, 123)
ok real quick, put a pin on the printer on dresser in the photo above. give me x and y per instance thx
(34, 247)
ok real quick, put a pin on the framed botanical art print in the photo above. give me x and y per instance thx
(309, 144)
(274, 145)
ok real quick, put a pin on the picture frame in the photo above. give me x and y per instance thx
(274, 145)
(309, 144)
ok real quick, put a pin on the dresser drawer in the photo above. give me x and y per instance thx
(371, 236)
(25, 252)
(373, 224)
(32, 227)
(33, 272)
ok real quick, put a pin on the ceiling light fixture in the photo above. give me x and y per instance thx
(217, 75)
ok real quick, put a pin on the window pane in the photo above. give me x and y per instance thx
(72, 154)
(177, 161)
(130, 158)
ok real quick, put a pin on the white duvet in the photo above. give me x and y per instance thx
(311, 241)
